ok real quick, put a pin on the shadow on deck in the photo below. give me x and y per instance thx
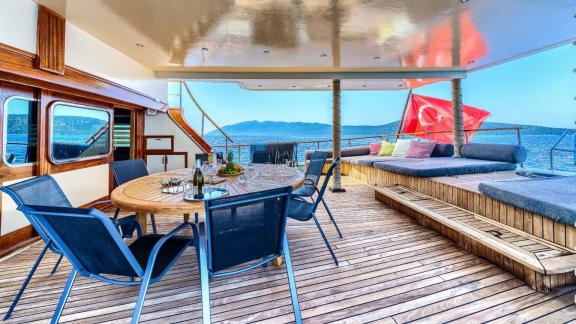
(391, 270)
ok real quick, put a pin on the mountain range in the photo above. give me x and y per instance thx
(273, 128)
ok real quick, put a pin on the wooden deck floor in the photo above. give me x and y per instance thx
(392, 270)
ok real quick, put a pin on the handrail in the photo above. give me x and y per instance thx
(556, 149)
(387, 136)
(204, 114)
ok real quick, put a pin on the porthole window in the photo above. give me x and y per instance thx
(78, 133)
(20, 131)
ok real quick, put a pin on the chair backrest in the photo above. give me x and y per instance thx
(315, 166)
(322, 189)
(128, 170)
(88, 238)
(246, 227)
(42, 190)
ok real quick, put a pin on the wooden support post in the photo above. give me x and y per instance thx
(336, 136)
(458, 117)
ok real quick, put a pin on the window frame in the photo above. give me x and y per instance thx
(5, 130)
(51, 135)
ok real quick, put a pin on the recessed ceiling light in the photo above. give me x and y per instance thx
(266, 52)
(463, 1)
(323, 55)
(204, 49)
(139, 45)
(363, 86)
(400, 85)
(259, 86)
(293, 86)
(376, 57)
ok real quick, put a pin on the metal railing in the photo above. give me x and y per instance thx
(183, 88)
(317, 143)
(556, 149)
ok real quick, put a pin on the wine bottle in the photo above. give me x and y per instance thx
(198, 181)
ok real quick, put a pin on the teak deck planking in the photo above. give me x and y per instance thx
(392, 271)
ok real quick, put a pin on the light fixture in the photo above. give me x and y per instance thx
(266, 52)
(400, 85)
(323, 55)
(293, 86)
(139, 45)
(205, 49)
(363, 86)
(376, 57)
(463, 1)
(259, 86)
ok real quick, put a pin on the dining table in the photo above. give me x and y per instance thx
(145, 195)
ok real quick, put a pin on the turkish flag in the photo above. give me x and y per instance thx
(428, 114)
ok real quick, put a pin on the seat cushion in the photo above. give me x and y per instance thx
(142, 247)
(553, 197)
(439, 167)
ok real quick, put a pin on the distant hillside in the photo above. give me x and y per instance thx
(251, 128)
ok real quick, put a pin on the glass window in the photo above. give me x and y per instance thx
(20, 131)
(78, 133)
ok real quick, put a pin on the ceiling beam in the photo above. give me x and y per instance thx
(328, 75)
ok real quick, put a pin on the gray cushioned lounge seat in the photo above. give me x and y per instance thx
(442, 166)
(554, 198)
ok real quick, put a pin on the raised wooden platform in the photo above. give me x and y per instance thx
(541, 264)
(392, 270)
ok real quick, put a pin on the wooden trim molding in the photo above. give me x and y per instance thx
(19, 67)
(51, 38)
(177, 117)
(16, 239)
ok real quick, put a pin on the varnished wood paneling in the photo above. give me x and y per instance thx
(51, 38)
(19, 67)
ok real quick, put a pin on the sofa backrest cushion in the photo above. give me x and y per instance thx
(355, 151)
(386, 149)
(495, 152)
(443, 150)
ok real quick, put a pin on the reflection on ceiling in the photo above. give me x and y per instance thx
(328, 35)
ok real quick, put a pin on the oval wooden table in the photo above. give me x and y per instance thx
(144, 195)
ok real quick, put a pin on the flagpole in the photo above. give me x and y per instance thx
(401, 125)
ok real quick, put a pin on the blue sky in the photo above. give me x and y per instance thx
(539, 89)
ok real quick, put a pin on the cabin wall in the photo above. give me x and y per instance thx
(83, 182)
(164, 125)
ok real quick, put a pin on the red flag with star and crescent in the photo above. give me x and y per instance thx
(428, 114)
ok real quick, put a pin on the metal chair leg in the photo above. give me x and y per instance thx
(141, 297)
(331, 217)
(204, 278)
(25, 284)
(57, 264)
(153, 221)
(64, 297)
(325, 239)
(291, 281)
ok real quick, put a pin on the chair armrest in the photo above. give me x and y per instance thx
(119, 222)
(307, 203)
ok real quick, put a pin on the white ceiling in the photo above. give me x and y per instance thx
(243, 39)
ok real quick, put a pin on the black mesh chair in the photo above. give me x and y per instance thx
(128, 170)
(311, 179)
(248, 231)
(96, 250)
(44, 191)
(303, 210)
